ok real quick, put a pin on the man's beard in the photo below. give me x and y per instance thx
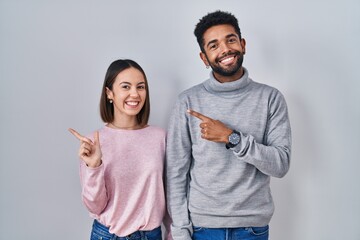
(229, 71)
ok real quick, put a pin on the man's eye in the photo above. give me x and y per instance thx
(232, 40)
(212, 46)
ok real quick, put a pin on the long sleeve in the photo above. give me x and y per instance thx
(178, 163)
(93, 188)
(211, 186)
(273, 156)
(167, 224)
(126, 192)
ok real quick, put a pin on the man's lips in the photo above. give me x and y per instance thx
(228, 60)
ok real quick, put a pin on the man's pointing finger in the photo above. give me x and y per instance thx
(198, 115)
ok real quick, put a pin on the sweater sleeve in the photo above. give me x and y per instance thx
(93, 188)
(178, 161)
(273, 156)
(167, 225)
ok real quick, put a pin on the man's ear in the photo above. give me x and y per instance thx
(243, 44)
(204, 59)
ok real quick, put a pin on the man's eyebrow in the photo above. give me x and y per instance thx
(231, 35)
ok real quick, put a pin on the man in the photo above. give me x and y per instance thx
(227, 136)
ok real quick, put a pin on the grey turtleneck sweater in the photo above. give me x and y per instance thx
(211, 186)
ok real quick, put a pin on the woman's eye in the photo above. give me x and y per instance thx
(141, 87)
(126, 87)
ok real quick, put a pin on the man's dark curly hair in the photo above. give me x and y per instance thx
(212, 19)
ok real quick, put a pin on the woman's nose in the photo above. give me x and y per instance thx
(134, 92)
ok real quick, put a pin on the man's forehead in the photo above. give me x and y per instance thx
(218, 32)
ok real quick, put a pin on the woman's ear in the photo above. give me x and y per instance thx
(109, 93)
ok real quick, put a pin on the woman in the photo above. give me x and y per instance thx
(121, 171)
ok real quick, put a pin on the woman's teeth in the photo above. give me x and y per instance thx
(132, 103)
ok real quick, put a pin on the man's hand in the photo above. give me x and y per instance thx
(212, 130)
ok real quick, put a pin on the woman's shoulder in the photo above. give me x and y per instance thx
(155, 130)
(107, 132)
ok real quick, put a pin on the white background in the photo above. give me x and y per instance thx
(53, 59)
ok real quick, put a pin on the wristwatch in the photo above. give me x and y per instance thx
(234, 139)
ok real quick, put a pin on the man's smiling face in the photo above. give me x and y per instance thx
(224, 52)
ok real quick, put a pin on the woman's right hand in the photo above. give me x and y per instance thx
(89, 151)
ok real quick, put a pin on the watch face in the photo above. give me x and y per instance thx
(234, 138)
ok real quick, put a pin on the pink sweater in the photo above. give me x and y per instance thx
(126, 192)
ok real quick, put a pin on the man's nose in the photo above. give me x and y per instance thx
(224, 48)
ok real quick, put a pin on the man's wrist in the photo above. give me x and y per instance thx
(227, 134)
(233, 139)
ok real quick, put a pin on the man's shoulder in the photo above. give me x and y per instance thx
(191, 91)
(258, 86)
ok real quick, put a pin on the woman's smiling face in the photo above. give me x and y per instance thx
(128, 92)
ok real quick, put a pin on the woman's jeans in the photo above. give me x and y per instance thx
(101, 232)
(244, 233)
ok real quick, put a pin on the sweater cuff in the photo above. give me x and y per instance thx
(91, 175)
(181, 233)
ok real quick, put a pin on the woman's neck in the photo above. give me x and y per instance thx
(124, 127)
(127, 124)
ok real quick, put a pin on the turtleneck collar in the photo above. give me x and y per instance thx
(228, 88)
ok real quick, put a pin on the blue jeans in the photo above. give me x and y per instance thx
(101, 232)
(243, 233)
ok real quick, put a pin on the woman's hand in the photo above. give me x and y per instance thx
(89, 151)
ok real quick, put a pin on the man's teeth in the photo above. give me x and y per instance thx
(227, 60)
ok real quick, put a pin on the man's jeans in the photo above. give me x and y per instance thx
(244, 233)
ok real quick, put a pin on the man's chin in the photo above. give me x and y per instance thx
(226, 72)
